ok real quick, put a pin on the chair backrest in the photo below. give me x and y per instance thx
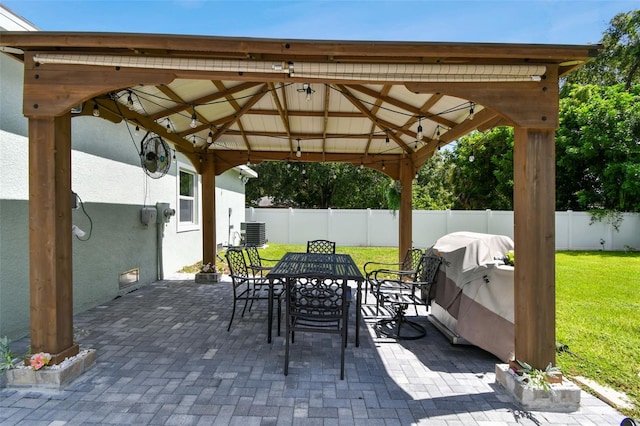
(429, 266)
(237, 263)
(412, 260)
(254, 255)
(319, 297)
(321, 246)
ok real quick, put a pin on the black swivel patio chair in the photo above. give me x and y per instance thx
(398, 294)
(317, 304)
(321, 246)
(255, 261)
(406, 269)
(247, 288)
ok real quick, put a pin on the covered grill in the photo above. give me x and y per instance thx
(473, 295)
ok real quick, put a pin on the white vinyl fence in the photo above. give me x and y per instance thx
(379, 228)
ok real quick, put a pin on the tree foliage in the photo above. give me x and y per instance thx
(433, 189)
(598, 148)
(487, 181)
(619, 59)
(317, 185)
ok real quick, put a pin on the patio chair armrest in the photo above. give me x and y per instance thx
(397, 274)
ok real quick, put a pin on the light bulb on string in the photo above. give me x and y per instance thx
(471, 111)
(168, 126)
(298, 151)
(130, 101)
(387, 138)
(194, 120)
(96, 110)
(137, 131)
(210, 137)
(419, 136)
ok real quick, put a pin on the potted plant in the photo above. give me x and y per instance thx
(207, 274)
(535, 377)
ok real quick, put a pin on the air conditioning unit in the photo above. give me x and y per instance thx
(253, 233)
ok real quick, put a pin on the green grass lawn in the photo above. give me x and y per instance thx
(597, 312)
(598, 317)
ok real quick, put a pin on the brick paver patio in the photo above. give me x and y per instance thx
(165, 357)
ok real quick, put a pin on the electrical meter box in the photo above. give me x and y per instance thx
(148, 215)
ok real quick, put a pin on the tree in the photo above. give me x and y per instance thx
(317, 185)
(433, 189)
(598, 148)
(619, 59)
(483, 170)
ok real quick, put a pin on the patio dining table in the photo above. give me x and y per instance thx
(293, 265)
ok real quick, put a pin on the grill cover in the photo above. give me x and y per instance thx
(473, 294)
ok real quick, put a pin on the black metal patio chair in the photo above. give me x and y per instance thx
(398, 294)
(406, 269)
(248, 288)
(317, 304)
(255, 261)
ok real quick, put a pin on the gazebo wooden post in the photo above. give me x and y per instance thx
(534, 233)
(405, 222)
(50, 237)
(208, 209)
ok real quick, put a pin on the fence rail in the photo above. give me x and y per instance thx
(379, 228)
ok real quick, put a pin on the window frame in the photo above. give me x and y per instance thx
(194, 223)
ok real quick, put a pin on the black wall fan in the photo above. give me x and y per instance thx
(155, 156)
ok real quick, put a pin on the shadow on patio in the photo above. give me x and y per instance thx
(165, 357)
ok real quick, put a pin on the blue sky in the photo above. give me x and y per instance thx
(512, 21)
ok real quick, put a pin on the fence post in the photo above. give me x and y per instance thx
(289, 233)
(488, 221)
(368, 236)
(570, 224)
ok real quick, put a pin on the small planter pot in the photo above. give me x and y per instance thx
(207, 277)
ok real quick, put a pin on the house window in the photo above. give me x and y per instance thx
(188, 206)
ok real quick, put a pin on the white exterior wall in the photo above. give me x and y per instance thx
(379, 228)
(107, 175)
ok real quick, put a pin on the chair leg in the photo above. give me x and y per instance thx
(233, 313)
(393, 327)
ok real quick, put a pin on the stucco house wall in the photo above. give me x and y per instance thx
(113, 187)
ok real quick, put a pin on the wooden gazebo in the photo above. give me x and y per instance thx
(228, 101)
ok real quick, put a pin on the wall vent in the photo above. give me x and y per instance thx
(129, 278)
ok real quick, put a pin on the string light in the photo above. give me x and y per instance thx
(130, 101)
(419, 135)
(387, 138)
(168, 126)
(96, 110)
(194, 120)
(471, 111)
(210, 137)
(298, 152)
(383, 166)
(137, 131)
